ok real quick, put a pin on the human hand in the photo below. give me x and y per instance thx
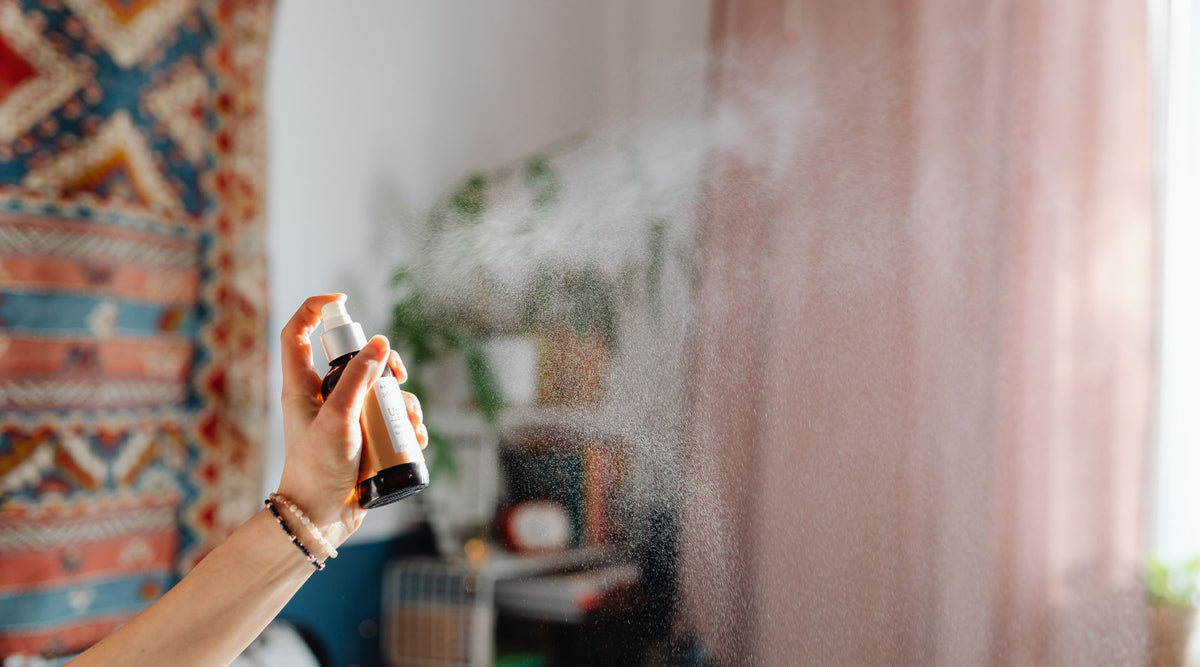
(323, 442)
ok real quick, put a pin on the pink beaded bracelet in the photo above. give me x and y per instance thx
(317, 564)
(312, 528)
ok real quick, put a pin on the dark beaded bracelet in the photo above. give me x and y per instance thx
(317, 564)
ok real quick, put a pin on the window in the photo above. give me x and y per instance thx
(1175, 36)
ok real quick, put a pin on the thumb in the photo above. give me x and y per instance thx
(347, 398)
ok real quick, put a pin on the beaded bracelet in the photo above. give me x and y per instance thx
(312, 528)
(318, 565)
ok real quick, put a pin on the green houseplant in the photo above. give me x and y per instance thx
(1173, 591)
(547, 249)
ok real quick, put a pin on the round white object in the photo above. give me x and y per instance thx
(539, 526)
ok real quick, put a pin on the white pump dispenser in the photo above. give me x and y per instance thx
(340, 335)
(334, 315)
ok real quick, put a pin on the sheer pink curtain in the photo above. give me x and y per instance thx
(925, 351)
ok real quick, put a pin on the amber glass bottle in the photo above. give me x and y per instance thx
(392, 466)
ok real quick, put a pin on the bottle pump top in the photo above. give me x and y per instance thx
(339, 334)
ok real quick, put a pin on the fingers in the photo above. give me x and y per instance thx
(413, 405)
(299, 376)
(397, 367)
(417, 417)
(346, 401)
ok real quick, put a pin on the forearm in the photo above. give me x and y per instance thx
(211, 615)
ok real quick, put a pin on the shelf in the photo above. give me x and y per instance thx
(574, 421)
(508, 565)
(565, 597)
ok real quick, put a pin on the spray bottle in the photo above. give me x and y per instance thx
(392, 466)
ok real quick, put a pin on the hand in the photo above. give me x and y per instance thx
(323, 443)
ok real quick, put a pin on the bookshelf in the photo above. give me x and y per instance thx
(460, 597)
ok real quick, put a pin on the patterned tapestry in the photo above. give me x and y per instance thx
(132, 303)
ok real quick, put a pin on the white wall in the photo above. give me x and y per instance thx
(376, 108)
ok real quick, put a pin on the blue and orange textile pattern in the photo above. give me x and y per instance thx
(132, 303)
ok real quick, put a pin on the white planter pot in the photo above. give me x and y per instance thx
(447, 383)
(514, 362)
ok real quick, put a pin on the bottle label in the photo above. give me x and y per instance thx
(395, 414)
(388, 436)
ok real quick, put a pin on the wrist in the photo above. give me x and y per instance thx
(336, 520)
(279, 514)
(321, 537)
